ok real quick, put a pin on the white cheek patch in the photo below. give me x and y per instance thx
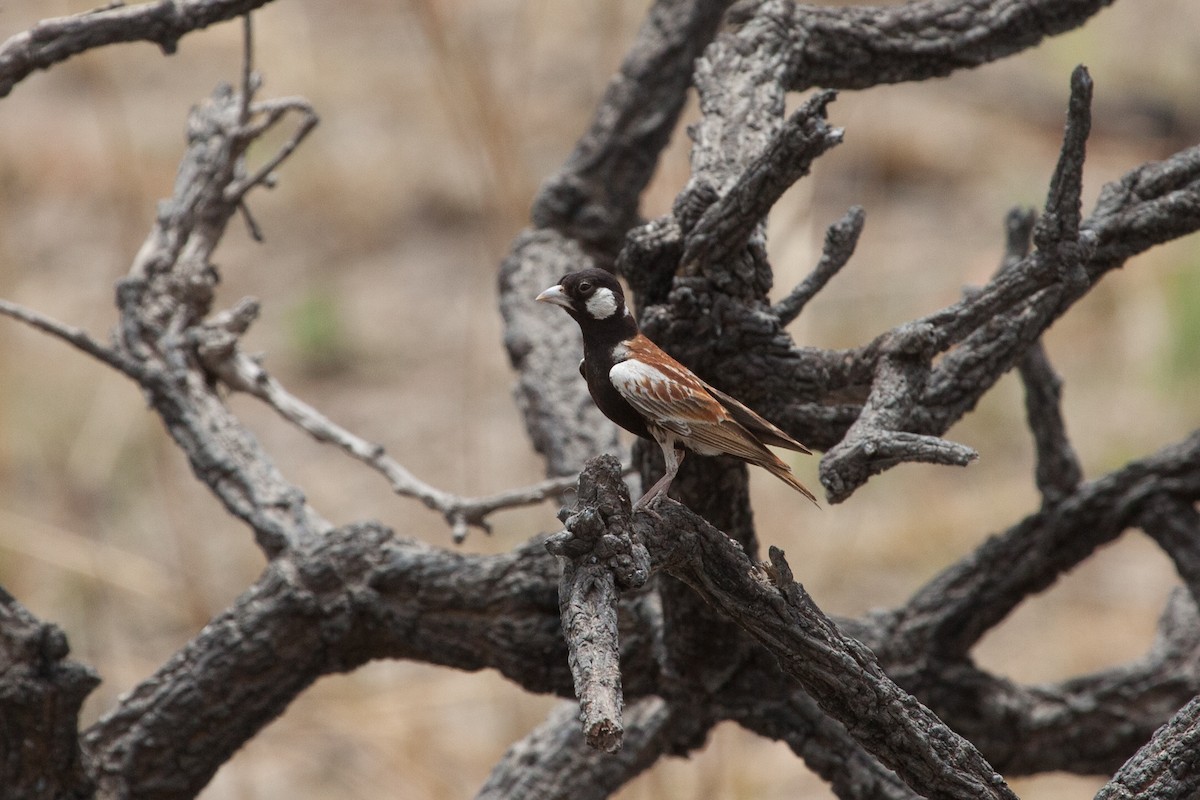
(603, 304)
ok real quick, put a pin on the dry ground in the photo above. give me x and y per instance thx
(439, 118)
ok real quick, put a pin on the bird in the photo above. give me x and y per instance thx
(637, 385)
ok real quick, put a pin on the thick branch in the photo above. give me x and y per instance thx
(947, 617)
(839, 672)
(594, 198)
(552, 762)
(599, 558)
(358, 595)
(41, 692)
(1173, 522)
(728, 224)
(767, 702)
(856, 48)
(1165, 769)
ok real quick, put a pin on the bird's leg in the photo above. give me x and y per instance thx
(674, 458)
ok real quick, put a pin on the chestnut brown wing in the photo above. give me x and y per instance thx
(674, 399)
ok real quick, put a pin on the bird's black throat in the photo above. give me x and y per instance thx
(600, 339)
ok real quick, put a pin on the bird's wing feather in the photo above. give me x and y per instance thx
(673, 398)
(764, 430)
(663, 395)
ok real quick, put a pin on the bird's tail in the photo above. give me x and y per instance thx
(779, 468)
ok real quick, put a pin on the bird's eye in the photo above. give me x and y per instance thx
(585, 287)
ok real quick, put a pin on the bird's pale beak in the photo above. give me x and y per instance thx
(555, 295)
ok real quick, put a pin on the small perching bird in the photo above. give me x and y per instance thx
(648, 393)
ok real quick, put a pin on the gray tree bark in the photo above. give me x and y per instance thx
(661, 624)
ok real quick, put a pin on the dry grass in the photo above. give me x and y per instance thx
(439, 121)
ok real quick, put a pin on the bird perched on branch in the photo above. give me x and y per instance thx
(648, 393)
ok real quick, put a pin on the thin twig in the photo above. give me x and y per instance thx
(74, 336)
(272, 112)
(249, 84)
(217, 347)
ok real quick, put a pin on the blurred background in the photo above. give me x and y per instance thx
(378, 282)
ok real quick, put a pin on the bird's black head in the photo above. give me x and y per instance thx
(593, 297)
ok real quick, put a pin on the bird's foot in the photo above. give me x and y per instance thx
(649, 502)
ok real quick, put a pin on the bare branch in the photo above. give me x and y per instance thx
(251, 81)
(593, 200)
(164, 22)
(167, 294)
(1058, 472)
(553, 763)
(1173, 521)
(860, 47)
(599, 558)
(1057, 234)
(272, 111)
(1163, 768)
(1018, 237)
(41, 692)
(840, 241)
(839, 672)
(865, 452)
(333, 598)
(953, 611)
(325, 607)
(764, 700)
(77, 337)
(217, 346)
(727, 225)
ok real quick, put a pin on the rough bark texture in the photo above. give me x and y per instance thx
(660, 623)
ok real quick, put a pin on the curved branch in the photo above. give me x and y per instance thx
(552, 762)
(951, 613)
(728, 223)
(166, 297)
(351, 598)
(856, 48)
(840, 240)
(218, 348)
(594, 198)
(164, 23)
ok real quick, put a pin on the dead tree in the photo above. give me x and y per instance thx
(661, 624)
